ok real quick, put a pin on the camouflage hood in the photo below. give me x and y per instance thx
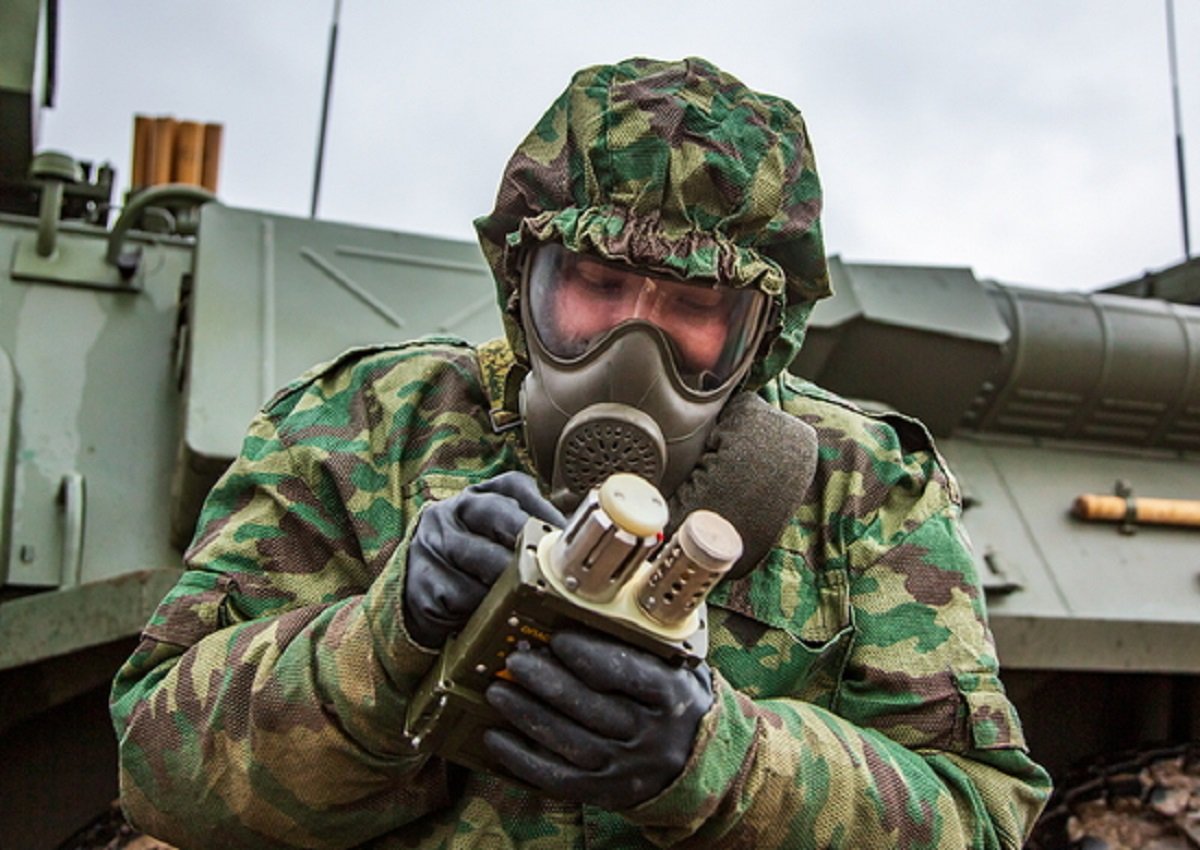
(675, 167)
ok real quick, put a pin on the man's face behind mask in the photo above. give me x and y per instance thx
(576, 300)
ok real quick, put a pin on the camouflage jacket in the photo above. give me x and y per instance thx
(857, 701)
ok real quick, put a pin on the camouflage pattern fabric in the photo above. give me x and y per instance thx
(857, 700)
(673, 167)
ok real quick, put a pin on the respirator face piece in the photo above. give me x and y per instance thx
(628, 370)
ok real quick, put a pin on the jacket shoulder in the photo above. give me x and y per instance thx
(875, 469)
(367, 367)
(889, 430)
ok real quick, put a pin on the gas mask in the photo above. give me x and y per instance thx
(628, 370)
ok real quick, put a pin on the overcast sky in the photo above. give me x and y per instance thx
(1032, 141)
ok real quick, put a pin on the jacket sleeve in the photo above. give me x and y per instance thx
(918, 746)
(263, 705)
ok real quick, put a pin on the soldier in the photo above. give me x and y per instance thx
(655, 244)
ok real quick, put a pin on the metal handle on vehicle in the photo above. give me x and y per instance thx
(72, 498)
(127, 263)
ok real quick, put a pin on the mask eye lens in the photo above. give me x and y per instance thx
(575, 302)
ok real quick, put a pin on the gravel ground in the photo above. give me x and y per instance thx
(1151, 802)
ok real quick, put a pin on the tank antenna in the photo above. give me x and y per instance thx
(1183, 210)
(333, 35)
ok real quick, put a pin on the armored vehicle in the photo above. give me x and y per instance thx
(135, 345)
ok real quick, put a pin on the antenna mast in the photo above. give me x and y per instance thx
(333, 34)
(1183, 210)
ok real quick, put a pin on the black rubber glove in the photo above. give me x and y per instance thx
(460, 547)
(598, 721)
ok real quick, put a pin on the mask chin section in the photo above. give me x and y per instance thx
(600, 440)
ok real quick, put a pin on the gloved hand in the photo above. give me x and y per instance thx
(598, 721)
(460, 547)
